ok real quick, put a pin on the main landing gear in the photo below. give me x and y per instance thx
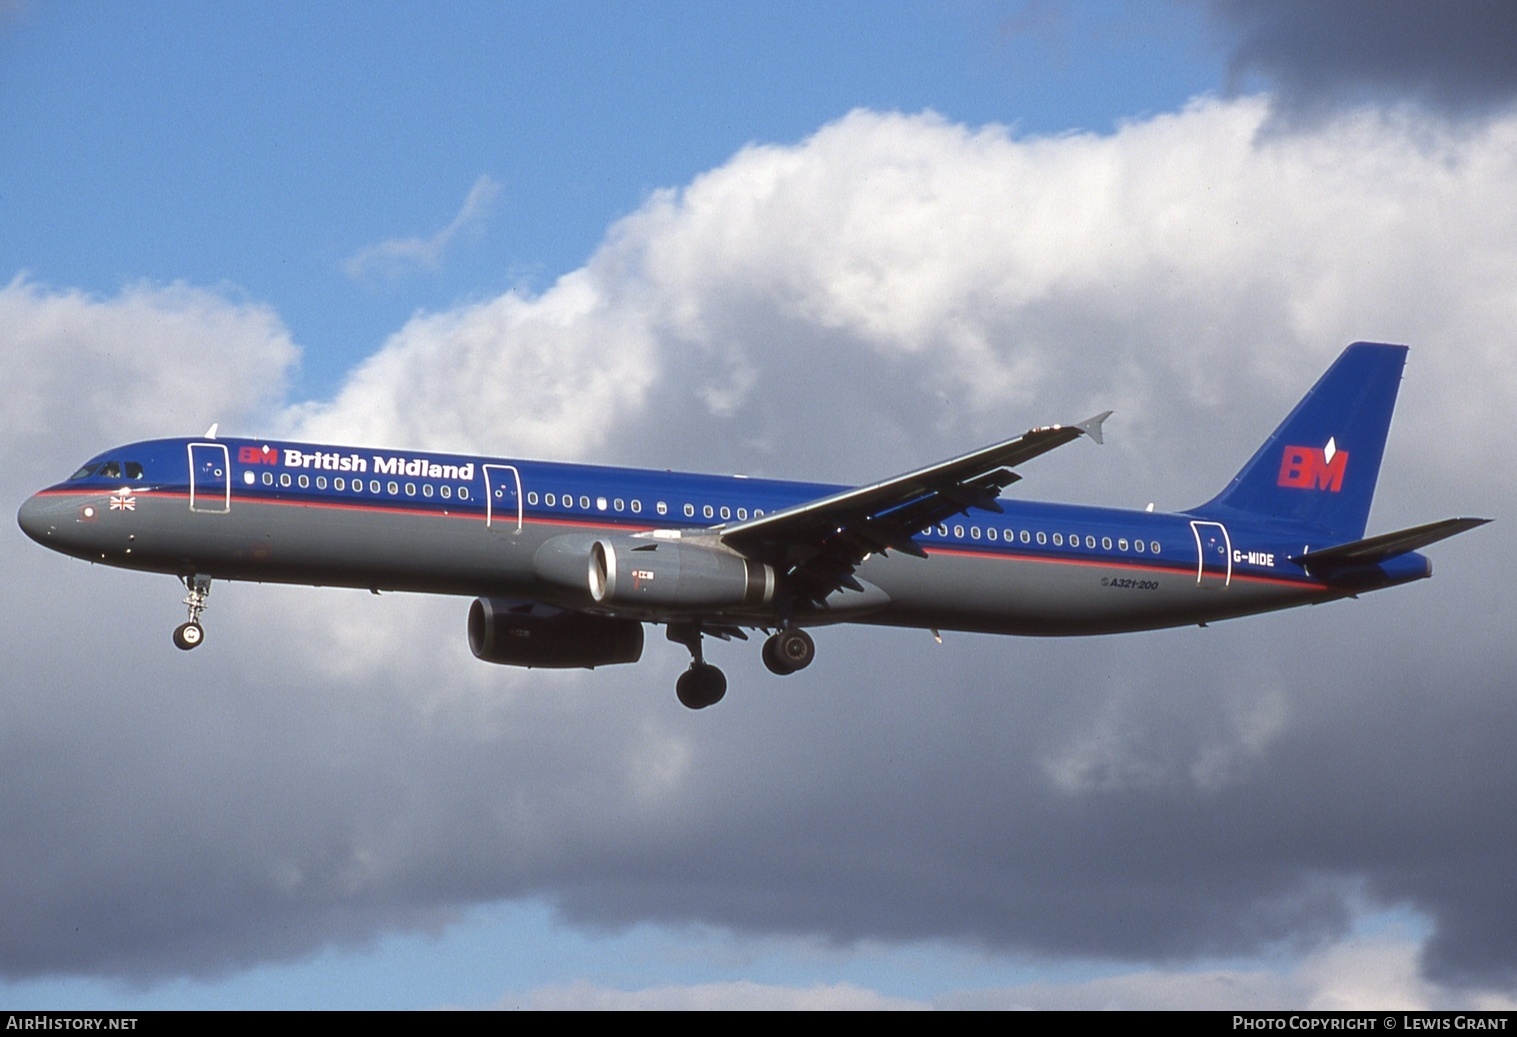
(703, 684)
(786, 651)
(789, 650)
(189, 635)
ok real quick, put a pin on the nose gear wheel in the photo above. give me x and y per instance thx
(191, 634)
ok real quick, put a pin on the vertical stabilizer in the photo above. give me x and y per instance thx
(1319, 467)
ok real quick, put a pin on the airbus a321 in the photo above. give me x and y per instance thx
(567, 562)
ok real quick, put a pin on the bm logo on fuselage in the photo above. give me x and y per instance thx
(1313, 468)
(256, 455)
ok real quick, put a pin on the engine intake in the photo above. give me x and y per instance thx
(667, 574)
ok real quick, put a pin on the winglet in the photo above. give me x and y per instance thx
(1092, 426)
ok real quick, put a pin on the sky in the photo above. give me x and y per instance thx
(812, 241)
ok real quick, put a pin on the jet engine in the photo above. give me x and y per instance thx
(523, 634)
(655, 574)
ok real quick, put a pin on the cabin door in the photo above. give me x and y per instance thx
(1214, 555)
(502, 498)
(210, 478)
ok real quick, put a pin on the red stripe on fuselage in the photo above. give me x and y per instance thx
(476, 514)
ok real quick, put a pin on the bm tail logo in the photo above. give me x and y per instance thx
(1313, 468)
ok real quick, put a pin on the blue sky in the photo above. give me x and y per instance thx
(261, 145)
(616, 232)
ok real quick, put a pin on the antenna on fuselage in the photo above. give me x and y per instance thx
(210, 433)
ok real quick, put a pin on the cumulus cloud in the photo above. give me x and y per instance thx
(153, 360)
(397, 256)
(895, 289)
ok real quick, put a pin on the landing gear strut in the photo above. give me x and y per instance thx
(703, 684)
(789, 650)
(189, 635)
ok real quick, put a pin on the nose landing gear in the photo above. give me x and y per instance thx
(189, 635)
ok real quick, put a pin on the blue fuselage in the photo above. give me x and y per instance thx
(448, 524)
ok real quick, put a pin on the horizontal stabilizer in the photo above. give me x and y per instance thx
(1387, 545)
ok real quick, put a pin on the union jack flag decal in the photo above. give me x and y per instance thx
(123, 503)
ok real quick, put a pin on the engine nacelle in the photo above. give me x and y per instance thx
(654, 574)
(520, 634)
(629, 572)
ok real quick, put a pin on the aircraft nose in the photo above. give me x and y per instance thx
(36, 520)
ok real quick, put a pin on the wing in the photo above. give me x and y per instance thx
(817, 545)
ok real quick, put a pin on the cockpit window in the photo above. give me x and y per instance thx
(108, 470)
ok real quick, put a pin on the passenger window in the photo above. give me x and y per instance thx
(1042, 537)
(706, 512)
(742, 513)
(663, 509)
(942, 530)
(1153, 545)
(619, 504)
(1122, 544)
(321, 482)
(532, 497)
(1090, 542)
(268, 478)
(410, 489)
(284, 479)
(1139, 545)
(958, 531)
(600, 504)
(990, 532)
(1106, 543)
(974, 532)
(446, 491)
(1026, 537)
(637, 507)
(550, 500)
(690, 511)
(305, 482)
(584, 502)
(340, 483)
(1058, 540)
(426, 489)
(373, 485)
(463, 493)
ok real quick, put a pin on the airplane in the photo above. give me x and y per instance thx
(567, 562)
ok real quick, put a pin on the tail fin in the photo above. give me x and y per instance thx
(1320, 466)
